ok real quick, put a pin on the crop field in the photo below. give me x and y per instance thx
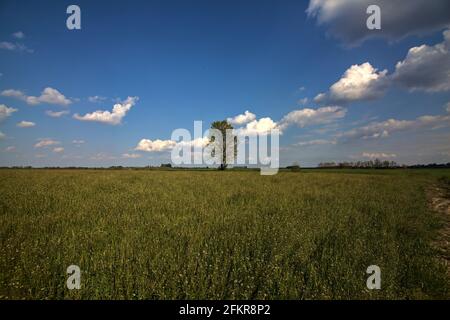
(153, 234)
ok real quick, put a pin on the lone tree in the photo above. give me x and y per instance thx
(228, 152)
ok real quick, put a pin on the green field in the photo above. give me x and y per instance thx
(143, 234)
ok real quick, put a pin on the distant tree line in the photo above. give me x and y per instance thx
(378, 164)
(430, 165)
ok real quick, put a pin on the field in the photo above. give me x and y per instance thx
(142, 234)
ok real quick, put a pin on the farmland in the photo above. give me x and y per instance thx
(143, 234)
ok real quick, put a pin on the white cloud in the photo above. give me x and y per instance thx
(306, 117)
(13, 93)
(78, 141)
(315, 142)
(257, 127)
(347, 18)
(2, 135)
(155, 145)
(196, 143)
(447, 107)
(115, 117)
(15, 47)
(45, 143)
(56, 114)
(165, 145)
(200, 142)
(96, 99)
(359, 82)
(242, 118)
(131, 155)
(48, 95)
(385, 128)
(303, 117)
(378, 155)
(58, 149)
(18, 35)
(10, 149)
(426, 68)
(26, 124)
(5, 111)
(262, 126)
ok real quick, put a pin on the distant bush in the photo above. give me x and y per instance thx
(294, 167)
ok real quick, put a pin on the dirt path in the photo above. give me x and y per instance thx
(439, 197)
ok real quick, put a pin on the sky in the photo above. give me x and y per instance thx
(112, 92)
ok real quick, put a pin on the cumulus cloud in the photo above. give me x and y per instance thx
(10, 149)
(158, 145)
(262, 126)
(56, 114)
(302, 118)
(426, 68)
(242, 118)
(45, 143)
(359, 82)
(2, 135)
(58, 149)
(13, 93)
(257, 127)
(113, 117)
(199, 142)
(346, 19)
(383, 129)
(155, 145)
(307, 117)
(378, 155)
(26, 124)
(48, 95)
(78, 141)
(131, 155)
(6, 111)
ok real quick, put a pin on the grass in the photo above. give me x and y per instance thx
(140, 234)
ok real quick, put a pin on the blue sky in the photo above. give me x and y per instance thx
(212, 60)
